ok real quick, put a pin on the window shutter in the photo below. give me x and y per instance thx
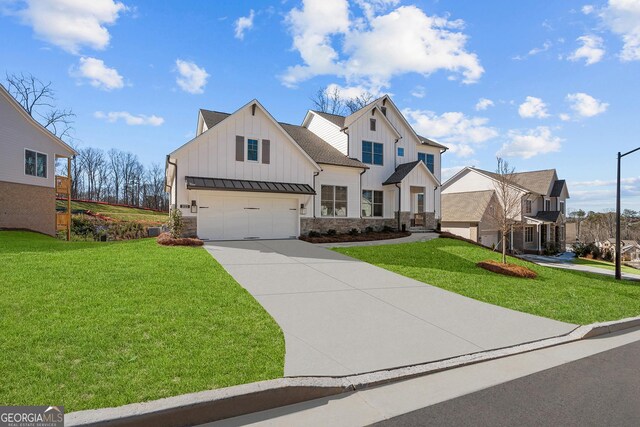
(239, 148)
(266, 152)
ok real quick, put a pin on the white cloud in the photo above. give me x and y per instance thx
(349, 92)
(585, 105)
(533, 107)
(483, 104)
(98, 74)
(536, 50)
(530, 143)
(70, 24)
(191, 78)
(370, 51)
(623, 18)
(419, 92)
(128, 118)
(564, 117)
(587, 9)
(591, 50)
(456, 130)
(244, 23)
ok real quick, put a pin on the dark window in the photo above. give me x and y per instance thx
(333, 200)
(372, 153)
(372, 125)
(527, 206)
(547, 205)
(384, 110)
(528, 234)
(372, 203)
(252, 150)
(428, 160)
(35, 164)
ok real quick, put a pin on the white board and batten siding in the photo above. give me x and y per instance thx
(213, 154)
(17, 134)
(344, 177)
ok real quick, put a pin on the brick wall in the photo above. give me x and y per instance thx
(30, 207)
(190, 226)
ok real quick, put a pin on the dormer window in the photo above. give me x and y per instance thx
(547, 205)
(372, 125)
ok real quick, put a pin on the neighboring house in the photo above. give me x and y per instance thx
(28, 154)
(630, 249)
(469, 204)
(247, 176)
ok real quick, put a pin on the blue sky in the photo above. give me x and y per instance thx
(544, 84)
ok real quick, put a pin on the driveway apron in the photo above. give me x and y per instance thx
(341, 316)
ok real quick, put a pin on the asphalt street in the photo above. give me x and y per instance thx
(600, 390)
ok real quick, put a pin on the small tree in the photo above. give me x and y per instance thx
(578, 216)
(509, 202)
(176, 223)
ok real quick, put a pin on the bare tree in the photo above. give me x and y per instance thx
(329, 101)
(578, 217)
(356, 103)
(38, 99)
(507, 212)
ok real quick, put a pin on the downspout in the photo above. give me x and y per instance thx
(344, 130)
(395, 153)
(314, 189)
(175, 165)
(360, 198)
(399, 205)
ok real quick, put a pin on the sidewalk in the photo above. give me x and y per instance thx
(567, 264)
(380, 403)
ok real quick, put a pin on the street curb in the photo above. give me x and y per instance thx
(214, 405)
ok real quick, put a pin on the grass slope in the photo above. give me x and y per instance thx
(564, 295)
(604, 265)
(90, 325)
(122, 213)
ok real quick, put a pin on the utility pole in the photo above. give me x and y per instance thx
(618, 246)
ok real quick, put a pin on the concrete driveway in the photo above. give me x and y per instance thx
(341, 316)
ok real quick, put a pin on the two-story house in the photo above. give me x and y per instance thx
(470, 200)
(28, 154)
(247, 176)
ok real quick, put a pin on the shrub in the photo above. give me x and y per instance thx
(314, 234)
(595, 251)
(369, 229)
(126, 231)
(608, 256)
(354, 232)
(387, 229)
(331, 232)
(176, 224)
(167, 239)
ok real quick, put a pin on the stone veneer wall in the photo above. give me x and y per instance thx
(190, 228)
(30, 207)
(344, 225)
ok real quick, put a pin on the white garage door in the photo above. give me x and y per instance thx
(245, 217)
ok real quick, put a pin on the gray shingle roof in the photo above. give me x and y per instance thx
(556, 191)
(317, 148)
(465, 207)
(212, 118)
(547, 216)
(336, 119)
(400, 172)
(535, 181)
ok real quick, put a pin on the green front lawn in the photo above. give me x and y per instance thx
(604, 264)
(90, 325)
(565, 295)
(120, 213)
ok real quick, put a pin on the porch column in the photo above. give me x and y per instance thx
(425, 199)
(538, 229)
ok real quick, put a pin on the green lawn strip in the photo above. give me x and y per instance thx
(565, 295)
(604, 265)
(90, 325)
(123, 213)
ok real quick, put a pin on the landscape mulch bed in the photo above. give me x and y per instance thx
(507, 269)
(166, 240)
(363, 237)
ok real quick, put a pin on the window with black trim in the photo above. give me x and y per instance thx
(527, 206)
(372, 153)
(372, 203)
(35, 163)
(428, 160)
(333, 200)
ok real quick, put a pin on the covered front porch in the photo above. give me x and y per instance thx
(418, 196)
(540, 235)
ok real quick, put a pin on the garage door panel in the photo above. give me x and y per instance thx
(242, 217)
